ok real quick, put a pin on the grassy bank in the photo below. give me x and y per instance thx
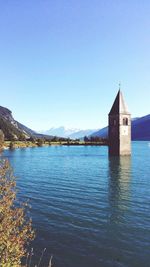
(18, 144)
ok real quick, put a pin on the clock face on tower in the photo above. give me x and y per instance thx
(124, 130)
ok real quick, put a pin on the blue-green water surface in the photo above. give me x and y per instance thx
(88, 210)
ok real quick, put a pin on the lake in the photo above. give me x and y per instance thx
(88, 210)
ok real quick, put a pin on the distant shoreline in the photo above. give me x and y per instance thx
(26, 144)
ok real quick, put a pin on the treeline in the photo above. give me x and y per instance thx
(33, 142)
(48, 139)
(95, 139)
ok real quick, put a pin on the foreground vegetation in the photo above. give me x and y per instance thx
(15, 227)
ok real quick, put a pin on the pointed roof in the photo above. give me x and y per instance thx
(119, 105)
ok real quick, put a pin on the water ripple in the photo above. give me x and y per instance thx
(88, 210)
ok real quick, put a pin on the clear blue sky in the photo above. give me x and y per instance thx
(61, 60)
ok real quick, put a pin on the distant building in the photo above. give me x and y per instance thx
(119, 128)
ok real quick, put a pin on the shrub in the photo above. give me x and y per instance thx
(15, 228)
(32, 139)
(40, 142)
(1, 139)
(12, 145)
(21, 137)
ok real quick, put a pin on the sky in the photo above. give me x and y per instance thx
(61, 61)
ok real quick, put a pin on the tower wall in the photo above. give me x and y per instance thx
(114, 147)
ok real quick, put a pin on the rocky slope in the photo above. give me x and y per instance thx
(12, 129)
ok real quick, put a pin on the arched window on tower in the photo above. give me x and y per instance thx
(125, 121)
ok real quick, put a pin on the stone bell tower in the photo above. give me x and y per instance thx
(119, 128)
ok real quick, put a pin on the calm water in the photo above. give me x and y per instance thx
(88, 210)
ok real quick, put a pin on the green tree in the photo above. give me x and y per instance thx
(12, 145)
(15, 228)
(86, 139)
(55, 139)
(32, 139)
(22, 137)
(40, 142)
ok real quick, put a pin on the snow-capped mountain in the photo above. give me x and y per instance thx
(72, 133)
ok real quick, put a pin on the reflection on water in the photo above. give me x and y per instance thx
(88, 210)
(119, 186)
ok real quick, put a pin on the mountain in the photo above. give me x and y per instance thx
(140, 129)
(60, 131)
(72, 133)
(81, 133)
(14, 130)
(103, 133)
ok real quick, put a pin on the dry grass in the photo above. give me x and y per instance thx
(29, 259)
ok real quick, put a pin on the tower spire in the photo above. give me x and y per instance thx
(119, 106)
(119, 86)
